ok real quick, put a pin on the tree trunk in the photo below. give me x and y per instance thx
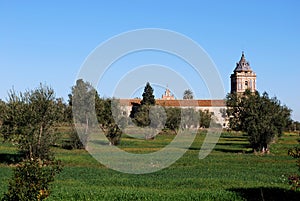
(30, 152)
(40, 136)
(86, 124)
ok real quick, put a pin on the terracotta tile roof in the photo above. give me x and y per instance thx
(177, 103)
(129, 102)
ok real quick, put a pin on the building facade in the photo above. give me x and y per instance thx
(215, 107)
(242, 78)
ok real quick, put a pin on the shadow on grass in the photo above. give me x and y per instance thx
(11, 158)
(243, 137)
(235, 144)
(225, 150)
(234, 150)
(229, 148)
(267, 194)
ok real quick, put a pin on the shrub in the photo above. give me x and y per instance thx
(114, 135)
(294, 180)
(31, 180)
(77, 140)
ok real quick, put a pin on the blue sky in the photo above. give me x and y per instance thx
(47, 41)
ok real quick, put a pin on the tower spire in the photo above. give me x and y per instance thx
(243, 59)
(243, 65)
(243, 56)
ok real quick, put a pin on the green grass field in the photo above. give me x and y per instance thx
(230, 172)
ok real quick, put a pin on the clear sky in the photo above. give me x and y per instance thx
(47, 41)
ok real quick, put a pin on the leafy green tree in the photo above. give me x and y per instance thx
(147, 114)
(141, 117)
(148, 97)
(294, 126)
(29, 121)
(65, 109)
(140, 113)
(74, 140)
(157, 117)
(189, 118)
(205, 118)
(152, 119)
(173, 118)
(110, 119)
(85, 99)
(261, 117)
(82, 99)
(2, 111)
(188, 94)
(78, 113)
(223, 112)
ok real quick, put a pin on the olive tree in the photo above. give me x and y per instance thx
(189, 118)
(205, 118)
(29, 121)
(110, 119)
(85, 102)
(261, 117)
(173, 118)
(82, 101)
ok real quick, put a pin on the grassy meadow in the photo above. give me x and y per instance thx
(230, 172)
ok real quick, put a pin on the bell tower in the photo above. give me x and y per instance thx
(243, 77)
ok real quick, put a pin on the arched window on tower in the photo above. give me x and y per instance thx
(238, 84)
(250, 84)
(246, 84)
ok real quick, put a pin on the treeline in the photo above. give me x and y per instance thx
(47, 111)
(35, 105)
(246, 113)
(112, 120)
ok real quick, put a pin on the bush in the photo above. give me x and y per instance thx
(77, 140)
(114, 135)
(294, 180)
(31, 180)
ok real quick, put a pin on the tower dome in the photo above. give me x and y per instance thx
(243, 65)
